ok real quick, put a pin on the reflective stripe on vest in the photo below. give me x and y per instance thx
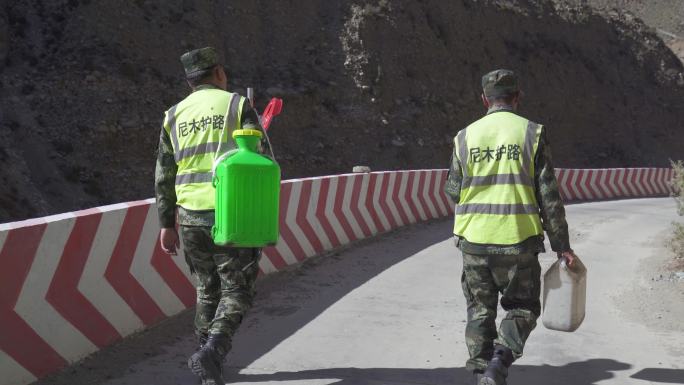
(498, 203)
(197, 127)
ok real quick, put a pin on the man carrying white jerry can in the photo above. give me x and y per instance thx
(503, 181)
(192, 133)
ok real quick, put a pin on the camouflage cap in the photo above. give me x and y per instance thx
(198, 60)
(500, 83)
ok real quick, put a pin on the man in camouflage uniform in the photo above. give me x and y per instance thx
(225, 277)
(510, 269)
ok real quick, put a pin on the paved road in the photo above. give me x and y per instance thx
(392, 312)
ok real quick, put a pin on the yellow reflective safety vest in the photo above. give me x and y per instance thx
(497, 203)
(196, 126)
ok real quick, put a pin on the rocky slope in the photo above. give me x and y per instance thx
(384, 83)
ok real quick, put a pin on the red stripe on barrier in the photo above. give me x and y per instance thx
(615, 183)
(632, 182)
(337, 209)
(425, 189)
(595, 183)
(320, 213)
(421, 195)
(443, 195)
(669, 179)
(408, 195)
(636, 176)
(274, 256)
(384, 196)
(173, 276)
(662, 176)
(17, 338)
(435, 194)
(397, 201)
(603, 185)
(656, 179)
(118, 272)
(585, 185)
(63, 293)
(285, 230)
(356, 202)
(302, 222)
(570, 174)
(370, 196)
(650, 186)
(560, 174)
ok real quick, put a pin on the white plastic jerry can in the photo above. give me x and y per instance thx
(565, 294)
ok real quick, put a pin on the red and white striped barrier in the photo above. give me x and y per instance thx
(73, 283)
(613, 183)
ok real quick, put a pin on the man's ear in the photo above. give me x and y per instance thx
(518, 97)
(485, 102)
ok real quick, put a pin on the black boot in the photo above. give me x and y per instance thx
(497, 370)
(201, 339)
(477, 376)
(207, 363)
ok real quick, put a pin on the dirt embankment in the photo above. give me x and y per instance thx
(382, 83)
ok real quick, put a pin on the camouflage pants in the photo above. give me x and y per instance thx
(517, 278)
(225, 281)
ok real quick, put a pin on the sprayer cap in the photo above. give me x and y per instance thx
(256, 133)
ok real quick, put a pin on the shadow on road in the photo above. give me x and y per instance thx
(292, 299)
(289, 299)
(660, 375)
(588, 372)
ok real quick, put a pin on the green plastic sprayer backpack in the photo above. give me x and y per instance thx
(247, 195)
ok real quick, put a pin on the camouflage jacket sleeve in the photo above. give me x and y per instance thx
(454, 178)
(165, 181)
(250, 120)
(551, 206)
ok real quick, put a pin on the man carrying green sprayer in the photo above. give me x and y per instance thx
(190, 136)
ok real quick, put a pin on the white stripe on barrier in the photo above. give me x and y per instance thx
(429, 178)
(312, 218)
(12, 372)
(34, 308)
(145, 274)
(285, 251)
(620, 181)
(365, 214)
(266, 265)
(402, 197)
(415, 189)
(443, 210)
(382, 215)
(330, 214)
(574, 185)
(582, 184)
(346, 206)
(291, 219)
(390, 202)
(95, 287)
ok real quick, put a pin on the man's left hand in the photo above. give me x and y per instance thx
(169, 240)
(569, 257)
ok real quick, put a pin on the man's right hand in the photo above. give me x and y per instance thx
(569, 257)
(169, 240)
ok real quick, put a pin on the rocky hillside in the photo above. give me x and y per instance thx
(665, 16)
(384, 83)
